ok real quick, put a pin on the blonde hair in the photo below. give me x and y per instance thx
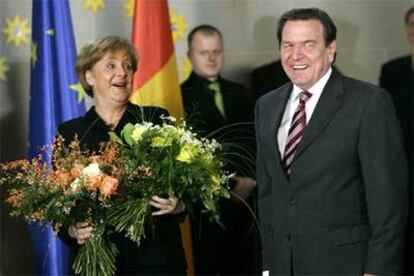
(94, 51)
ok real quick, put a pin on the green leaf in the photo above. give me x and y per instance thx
(126, 133)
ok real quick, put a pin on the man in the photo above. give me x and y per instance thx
(215, 107)
(397, 77)
(332, 184)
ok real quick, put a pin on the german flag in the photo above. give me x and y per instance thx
(156, 80)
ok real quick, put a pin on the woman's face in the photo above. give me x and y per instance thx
(111, 79)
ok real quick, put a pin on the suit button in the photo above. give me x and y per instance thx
(288, 238)
(293, 200)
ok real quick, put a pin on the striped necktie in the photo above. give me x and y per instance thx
(218, 97)
(296, 131)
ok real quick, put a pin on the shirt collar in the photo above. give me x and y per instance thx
(204, 81)
(317, 88)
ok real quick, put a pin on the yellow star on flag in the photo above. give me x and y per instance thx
(79, 89)
(17, 31)
(3, 68)
(178, 26)
(33, 53)
(129, 6)
(94, 5)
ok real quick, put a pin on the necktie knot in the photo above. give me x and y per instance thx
(214, 86)
(304, 96)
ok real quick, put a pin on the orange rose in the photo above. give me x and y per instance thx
(93, 182)
(109, 185)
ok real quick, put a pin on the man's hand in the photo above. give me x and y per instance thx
(244, 186)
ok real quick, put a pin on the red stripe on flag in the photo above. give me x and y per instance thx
(151, 35)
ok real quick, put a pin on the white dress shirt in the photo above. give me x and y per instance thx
(292, 104)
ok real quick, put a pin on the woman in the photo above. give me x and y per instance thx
(105, 68)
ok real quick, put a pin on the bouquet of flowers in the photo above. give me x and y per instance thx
(165, 160)
(111, 189)
(79, 186)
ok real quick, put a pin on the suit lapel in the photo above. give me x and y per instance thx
(330, 101)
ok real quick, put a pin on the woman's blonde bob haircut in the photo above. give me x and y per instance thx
(94, 51)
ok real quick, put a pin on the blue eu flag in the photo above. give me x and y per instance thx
(55, 97)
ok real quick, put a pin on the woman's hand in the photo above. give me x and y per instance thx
(80, 231)
(171, 205)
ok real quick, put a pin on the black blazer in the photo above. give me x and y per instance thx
(397, 77)
(158, 253)
(267, 78)
(200, 107)
(343, 210)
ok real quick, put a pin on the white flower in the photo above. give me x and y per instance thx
(168, 118)
(92, 170)
(138, 131)
(75, 185)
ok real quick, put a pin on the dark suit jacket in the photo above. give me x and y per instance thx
(201, 110)
(161, 252)
(397, 77)
(343, 209)
(267, 78)
(218, 250)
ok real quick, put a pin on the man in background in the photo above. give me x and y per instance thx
(397, 78)
(267, 78)
(219, 108)
(331, 169)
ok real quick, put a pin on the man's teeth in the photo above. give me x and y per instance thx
(299, 67)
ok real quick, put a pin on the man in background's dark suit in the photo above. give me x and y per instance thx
(268, 77)
(340, 207)
(397, 77)
(218, 250)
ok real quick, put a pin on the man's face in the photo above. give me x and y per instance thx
(206, 55)
(410, 30)
(305, 57)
